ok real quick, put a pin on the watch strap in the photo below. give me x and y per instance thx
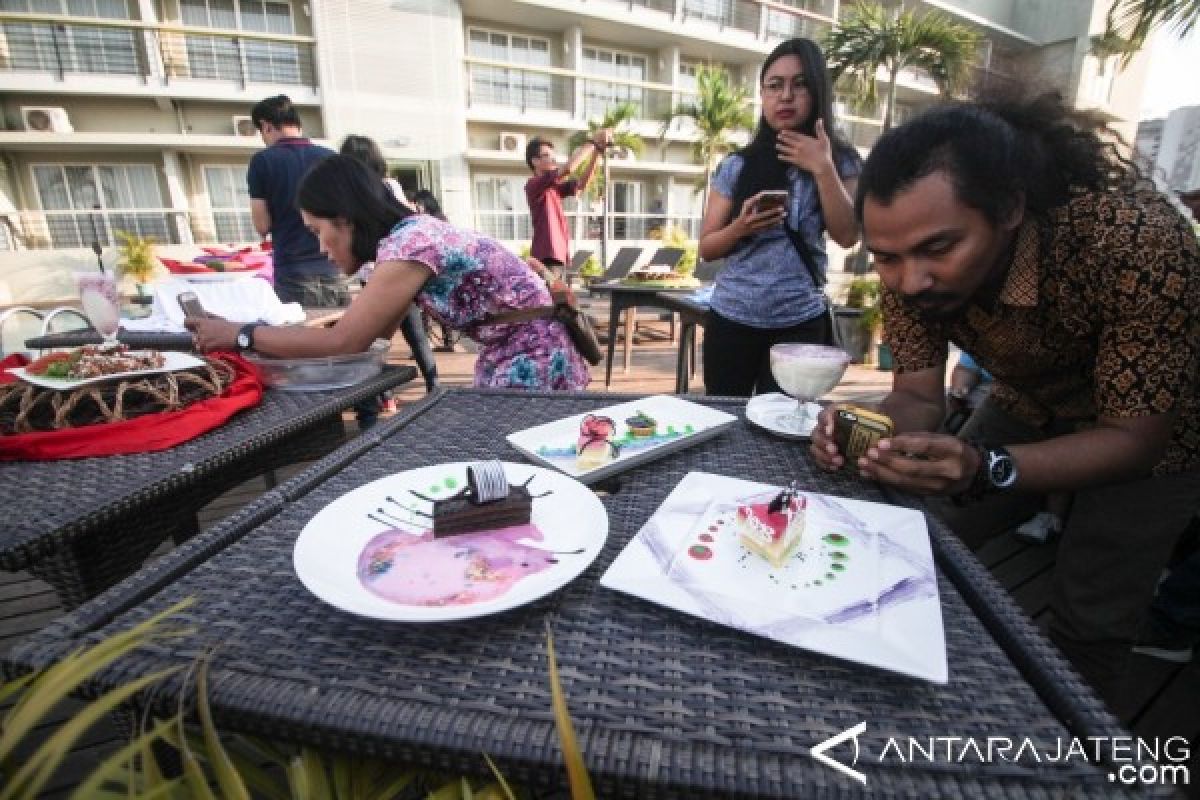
(246, 334)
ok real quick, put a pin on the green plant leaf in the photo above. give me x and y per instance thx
(577, 774)
(119, 761)
(228, 780)
(508, 792)
(39, 767)
(59, 680)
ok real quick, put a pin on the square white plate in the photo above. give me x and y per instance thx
(862, 585)
(174, 362)
(681, 424)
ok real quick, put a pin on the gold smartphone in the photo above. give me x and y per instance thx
(190, 303)
(856, 430)
(771, 199)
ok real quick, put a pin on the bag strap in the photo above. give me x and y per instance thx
(818, 280)
(523, 315)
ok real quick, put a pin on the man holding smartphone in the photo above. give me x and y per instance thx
(545, 191)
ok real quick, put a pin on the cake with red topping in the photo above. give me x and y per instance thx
(595, 446)
(773, 530)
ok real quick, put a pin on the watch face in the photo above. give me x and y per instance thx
(243, 341)
(1001, 470)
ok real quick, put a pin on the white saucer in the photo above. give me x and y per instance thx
(773, 413)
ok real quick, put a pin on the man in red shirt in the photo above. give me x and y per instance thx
(546, 189)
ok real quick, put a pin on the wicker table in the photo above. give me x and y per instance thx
(82, 525)
(665, 704)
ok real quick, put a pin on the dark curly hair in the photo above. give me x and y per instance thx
(999, 152)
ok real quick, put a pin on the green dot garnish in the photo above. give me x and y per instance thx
(435, 489)
(835, 539)
(450, 483)
(830, 576)
(838, 567)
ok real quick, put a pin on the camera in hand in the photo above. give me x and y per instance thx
(856, 430)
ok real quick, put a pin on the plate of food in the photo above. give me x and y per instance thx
(659, 277)
(593, 446)
(96, 363)
(847, 578)
(450, 541)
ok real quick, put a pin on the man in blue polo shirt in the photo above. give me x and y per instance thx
(302, 274)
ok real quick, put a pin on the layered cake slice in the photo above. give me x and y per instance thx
(773, 530)
(595, 446)
(487, 503)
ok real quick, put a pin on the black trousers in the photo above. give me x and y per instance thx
(737, 358)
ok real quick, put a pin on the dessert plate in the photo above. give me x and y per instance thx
(773, 411)
(680, 424)
(370, 552)
(173, 362)
(861, 587)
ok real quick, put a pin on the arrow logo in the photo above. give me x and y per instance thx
(818, 751)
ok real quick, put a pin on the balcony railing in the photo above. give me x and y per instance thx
(524, 88)
(63, 46)
(59, 230)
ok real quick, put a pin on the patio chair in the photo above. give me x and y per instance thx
(16, 325)
(707, 270)
(666, 257)
(577, 261)
(622, 262)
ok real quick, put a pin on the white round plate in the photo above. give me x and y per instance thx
(217, 277)
(773, 411)
(573, 523)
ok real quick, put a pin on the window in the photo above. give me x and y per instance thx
(229, 200)
(500, 208)
(599, 96)
(86, 203)
(782, 25)
(44, 47)
(221, 58)
(510, 87)
(711, 10)
(629, 222)
(687, 75)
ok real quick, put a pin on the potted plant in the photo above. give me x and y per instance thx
(137, 259)
(590, 270)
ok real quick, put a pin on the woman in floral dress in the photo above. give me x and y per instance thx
(457, 276)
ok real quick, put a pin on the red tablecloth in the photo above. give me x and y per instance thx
(145, 434)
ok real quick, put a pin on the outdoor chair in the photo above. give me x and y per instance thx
(621, 264)
(706, 271)
(666, 257)
(16, 325)
(577, 261)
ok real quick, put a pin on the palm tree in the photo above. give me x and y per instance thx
(719, 108)
(1131, 21)
(617, 119)
(872, 36)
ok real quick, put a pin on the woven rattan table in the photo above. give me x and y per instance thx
(82, 525)
(666, 705)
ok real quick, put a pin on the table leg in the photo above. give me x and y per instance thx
(630, 328)
(683, 357)
(614, 312)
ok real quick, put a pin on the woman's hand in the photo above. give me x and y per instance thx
(751, 220)
(926, 463)
(824, 450)
(212, 333)
(814, 154)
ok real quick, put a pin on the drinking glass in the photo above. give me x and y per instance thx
(805, 372)
(101, 303)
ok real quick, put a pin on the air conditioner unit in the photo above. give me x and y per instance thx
(512, 142)
(46, 119)
(244, 126)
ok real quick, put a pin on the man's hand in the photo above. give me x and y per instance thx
(813, 154)
(603, 138)
(925, 463)
(212, 333)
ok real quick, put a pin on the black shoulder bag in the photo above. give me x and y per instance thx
(818, 280)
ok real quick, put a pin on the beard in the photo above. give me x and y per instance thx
(936, 305)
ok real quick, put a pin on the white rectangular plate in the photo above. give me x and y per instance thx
(880, 607)
(175, 362)
(217, 277)
(681, 424)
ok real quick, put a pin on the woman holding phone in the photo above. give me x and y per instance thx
(769, 207)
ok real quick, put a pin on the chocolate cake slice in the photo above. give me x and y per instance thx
(458, 514)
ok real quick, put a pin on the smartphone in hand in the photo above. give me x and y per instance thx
(770, 200)
(190, 303)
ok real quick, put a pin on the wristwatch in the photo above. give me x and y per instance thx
(245, 337)
(997, 472)
(999, 467)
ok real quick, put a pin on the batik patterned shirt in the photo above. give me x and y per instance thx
(1099, 315)
(475, 278)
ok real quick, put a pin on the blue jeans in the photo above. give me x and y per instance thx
(313, 291)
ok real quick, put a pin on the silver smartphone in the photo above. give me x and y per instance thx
(190, 303)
